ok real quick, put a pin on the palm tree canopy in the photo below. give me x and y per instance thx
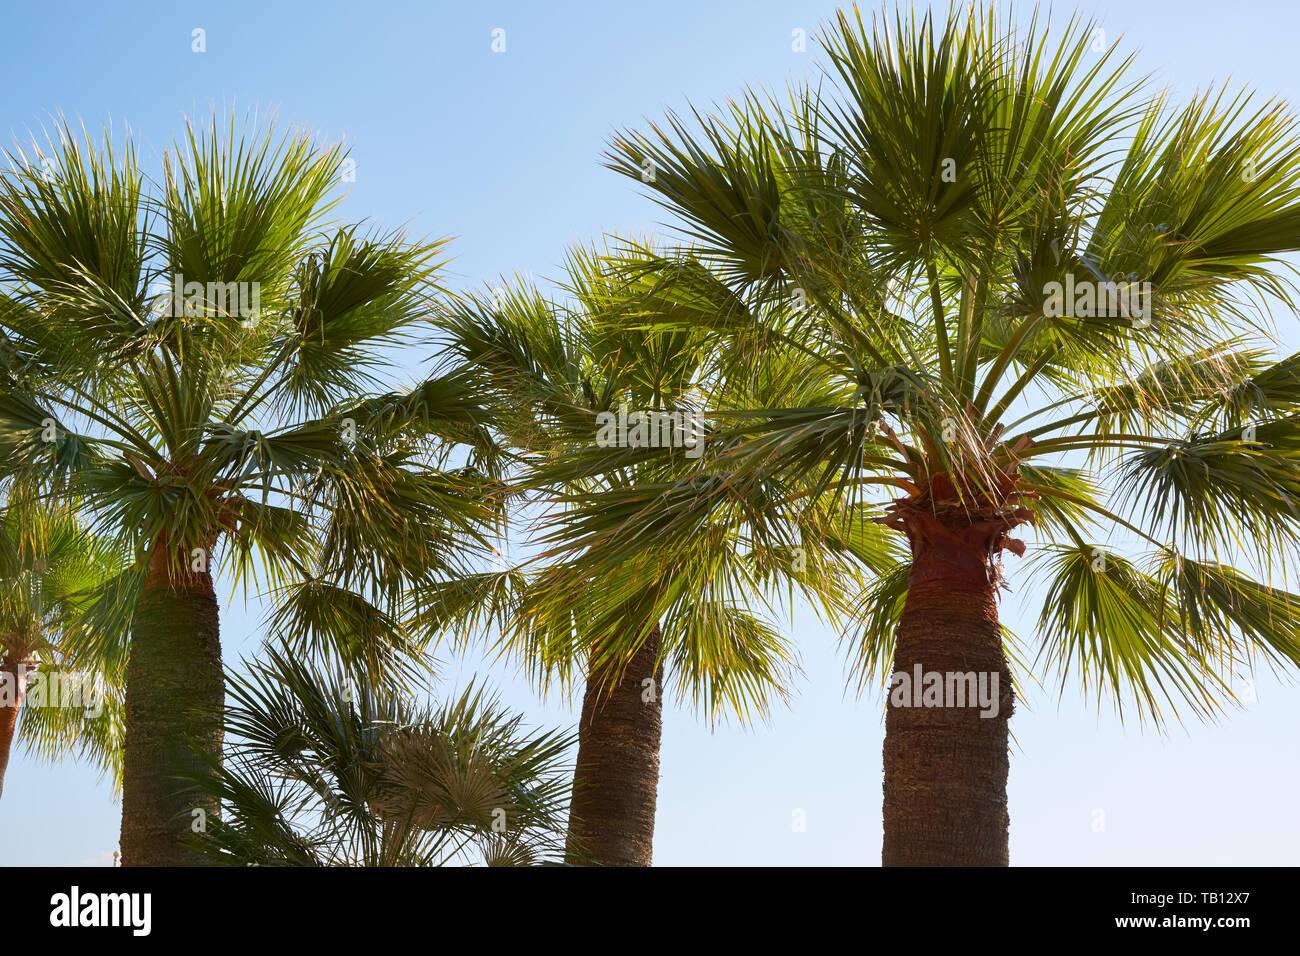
(1021, 289)
(203, 363)
(59, 615)
(325, 769)
(621, 338)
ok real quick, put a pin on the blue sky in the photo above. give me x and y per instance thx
(502, 152)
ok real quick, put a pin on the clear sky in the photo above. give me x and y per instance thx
(502, 151)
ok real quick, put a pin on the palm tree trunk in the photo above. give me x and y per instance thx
(12, 665)
(616, 780)
(174, 690)
(946, 766)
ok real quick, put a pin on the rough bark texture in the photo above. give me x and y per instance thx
(946, 767)
(174, 690)
(13, 666)
(616, 781)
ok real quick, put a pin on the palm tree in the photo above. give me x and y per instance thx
(55, 584)
(1045, 290)
(691, 608)
(231, 420)
(323, 768)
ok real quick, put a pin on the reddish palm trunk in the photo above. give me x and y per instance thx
(174, 691)
(946, 766)
(616, 780)
(12, 666)
(946, 761)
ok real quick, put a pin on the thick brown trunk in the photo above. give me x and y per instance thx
(616, 780)
(174, 691)
(946, 766)
(13, 667)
